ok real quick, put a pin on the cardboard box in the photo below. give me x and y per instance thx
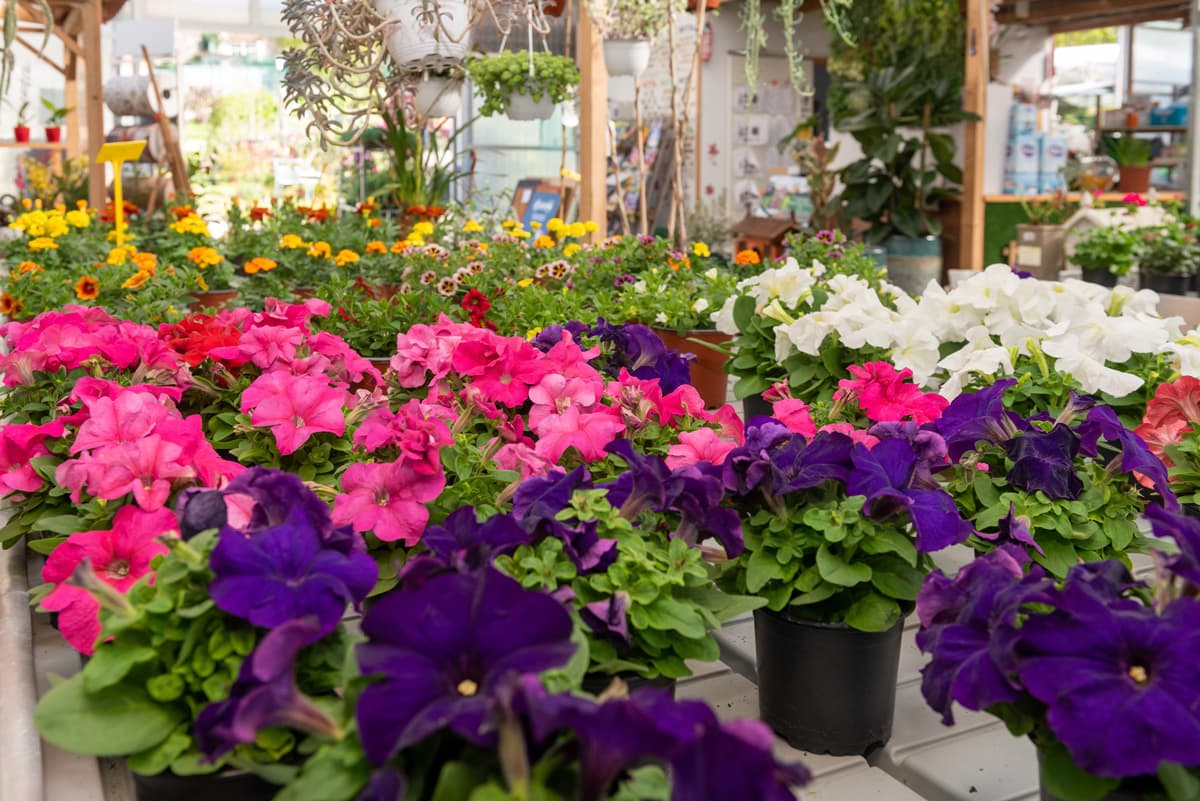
(1023, 118)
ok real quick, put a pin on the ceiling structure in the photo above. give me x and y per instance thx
(1076, 15)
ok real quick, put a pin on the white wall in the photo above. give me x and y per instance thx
(1024, 53)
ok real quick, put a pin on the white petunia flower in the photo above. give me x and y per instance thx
(1092, 374)
(723, 318)
(700, 305)
(806, 334)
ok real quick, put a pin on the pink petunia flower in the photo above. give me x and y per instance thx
(119, 556)
(556, 393)
(295, 408)
(855, 434)
(18, 445)
(701, 445)
(586, 432)
(885, 396)
(387, 499)
(794, 414)
(502, 368)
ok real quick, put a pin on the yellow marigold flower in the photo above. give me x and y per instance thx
(701, 250)
(78, 218)
(576, 230)
(747, 257)
(375, 246)
(292, 242)
(524, 282)
(29, 267)
(472, 227)
(423, 228)
(415, 239)
(42, 243)
(191, 224)
(571, 248)
(87, 288)
(259, 264)
(399, 247)
(81, 205)
(204, 257)
(26, 203)
(374, 222)
(520, 233)
(544, 241)
(570, 174)
(591, 226)
(344, 257)
(145, 262)
(321, 250)
(555, 224)
(201, 283)
(135, 280)
(119, 237)
(118, 255)
(535, 225)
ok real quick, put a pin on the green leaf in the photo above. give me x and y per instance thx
(112, 662)
(155, 760)
(334, 773)
(116, 722)
(60, 524)
(761, 568)
(873, 612)
(45, 545)
(836, 570)
(668, 614)
(457, 780)
(896, 580)
(1180, 783)
(1062, 777)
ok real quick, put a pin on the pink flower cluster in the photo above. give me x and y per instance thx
(134, 441)
(887, 396)
(67, 339)
(388, 498)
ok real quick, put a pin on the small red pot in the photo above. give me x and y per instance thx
(21, 133)
(53, 133)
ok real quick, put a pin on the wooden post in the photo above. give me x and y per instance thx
(974, 151)
(593, 127)
(71, 100)
(94, 83)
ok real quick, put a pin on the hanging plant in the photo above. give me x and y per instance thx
(790, 13)
(8, 58)
(629, 19)
(538, 76)
(753, 23)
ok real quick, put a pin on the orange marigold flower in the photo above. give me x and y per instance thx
(204, 257)
(400, 247)
(259, 264)
(181, 211)
(344, 257)
(135, 280)
(87, 288)
(374, 222)
(145, 262)
(375, 247)
(747, 257)
(259, 213)
(29, 267)
(321, 250)
(544, 241)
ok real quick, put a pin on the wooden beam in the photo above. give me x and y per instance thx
(970, 254)
(1054, 11)
(94, 92)
(593, 127)
(1114, 21)
(40, 55)
(72, 101)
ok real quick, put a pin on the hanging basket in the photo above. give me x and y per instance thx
(427, 34)
(626, 56)
(523, 107)
(437, 97)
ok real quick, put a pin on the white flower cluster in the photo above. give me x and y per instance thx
(994, 317)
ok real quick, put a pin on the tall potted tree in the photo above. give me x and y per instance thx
(897, 84)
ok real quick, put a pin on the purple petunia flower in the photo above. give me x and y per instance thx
(804, 464)
(978, 416)
(607, 618)
(385, 784)
(639, 350)
(287, 572)
(1045, 461)
(540, 498)
(1119, 683)
(734, 762)
(464, 543)
(748, 466)
(443, 649)
(1185, 530)
(1013, 528)
(884, 474)
(583, 544)
(279, 498)
(1136, 457)
(265, 694)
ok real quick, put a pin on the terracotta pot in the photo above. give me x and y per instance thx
(212, 300)
(53, 133)
(708, 368)
(380, 363)
(555, 8)
(21, 133)
(385, 291)
(711, 4)
(1135, 180)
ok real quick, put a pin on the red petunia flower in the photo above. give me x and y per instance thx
(196, 335)
(476, 303)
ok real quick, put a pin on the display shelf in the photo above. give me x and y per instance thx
(1145, 129)
(34, 145)
(1073, 197)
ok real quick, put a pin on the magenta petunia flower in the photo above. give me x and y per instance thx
(18, 445)
(885, 396)
(295, 408)
(586, 432)
(119, 556)
(502, 368)
(387, 499)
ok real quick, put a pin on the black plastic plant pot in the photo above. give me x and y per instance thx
(755, 406)
(1165, 283)
(596, 683)
(1100, 276)
(825, 687)
(237, 786)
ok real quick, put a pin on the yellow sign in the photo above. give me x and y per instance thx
(119, 153)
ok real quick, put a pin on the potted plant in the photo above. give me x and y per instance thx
(525, 85)
(1104, 253)
(211, 631)
(438, 93)
(1066, 662)
(627, 28)
(1133, 162)
(427, 34)
(892, 96)
(1168, 258)
(837, 532)
(1041, 240)
(21, 129)
(55, 120)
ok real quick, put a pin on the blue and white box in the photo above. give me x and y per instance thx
(1052, 159)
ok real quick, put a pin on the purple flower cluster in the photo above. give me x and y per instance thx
(632, 347)
(895, 476)
(1114, 679)
(460, 653)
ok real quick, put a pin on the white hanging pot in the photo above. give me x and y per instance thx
(437, 97)
(626, 56)
(523, 107)
(427, 34)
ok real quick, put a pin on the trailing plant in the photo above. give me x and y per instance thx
(753, 23)
(630, 19)
(8, 58)
(535, 75)
(1055, 211)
